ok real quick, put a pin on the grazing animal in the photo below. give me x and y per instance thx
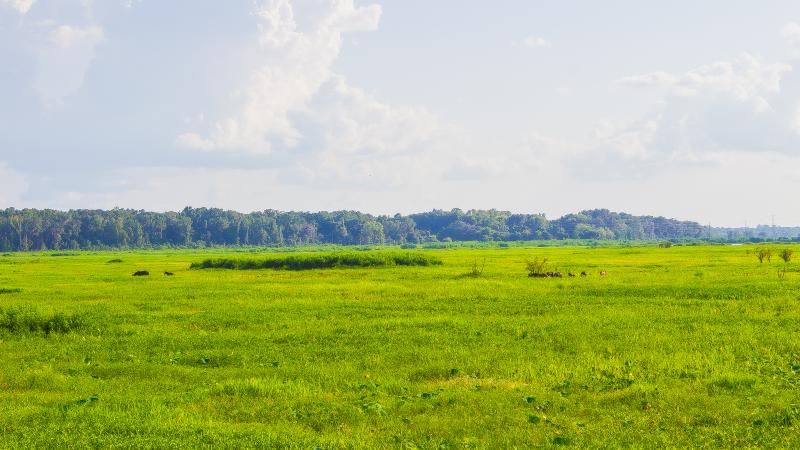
(571, 275)
(141, 273)
(537, 275)
(603, 273)
(584, 274)
(169, 274)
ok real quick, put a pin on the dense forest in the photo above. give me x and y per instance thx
(30, 229)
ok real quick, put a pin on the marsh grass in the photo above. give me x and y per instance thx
(25, 319)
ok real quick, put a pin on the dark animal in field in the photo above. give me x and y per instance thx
(571, 275)
(603, 273)
(537, 275)
(142, 273)
(169, 274)
(554, 275)
(584, 274)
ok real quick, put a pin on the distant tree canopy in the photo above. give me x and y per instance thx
(30, 229)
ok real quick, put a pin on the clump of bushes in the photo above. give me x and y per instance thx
(29, 320)
(786, 255)
(321, 261)
(114, 261)
(9, 291)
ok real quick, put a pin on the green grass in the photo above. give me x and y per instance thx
(678, 347)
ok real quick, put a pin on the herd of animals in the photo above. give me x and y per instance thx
(144, 273)
(560, 275)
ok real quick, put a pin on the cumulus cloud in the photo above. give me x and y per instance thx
(535, 42)
(791, 32)
(21, 6)
(741, 105)
(13, 185)
(61, 39)
(66, 36)
(744, 78)
(298, 44)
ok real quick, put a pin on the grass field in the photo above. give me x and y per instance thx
(675, 347)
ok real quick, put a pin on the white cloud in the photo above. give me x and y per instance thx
(743, 105)
(12, 186)
(744, 78)
(652, 79)
(60, 39)
(791, 32)
(535, 42)
(298, 44)
(21, 6)
(63, 59)
(66, 36)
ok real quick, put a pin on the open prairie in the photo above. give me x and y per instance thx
(676, 347)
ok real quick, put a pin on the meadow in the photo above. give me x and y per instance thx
(689, 346)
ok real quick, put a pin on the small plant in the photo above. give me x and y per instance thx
(786, 255)
(477, 269)
(665, 244)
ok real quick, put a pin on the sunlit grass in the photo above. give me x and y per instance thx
(676, 347)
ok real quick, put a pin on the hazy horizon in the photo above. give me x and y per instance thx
(679, 110)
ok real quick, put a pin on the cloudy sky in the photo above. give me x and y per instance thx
(686, 109)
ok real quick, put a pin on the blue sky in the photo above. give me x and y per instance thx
(684, 109)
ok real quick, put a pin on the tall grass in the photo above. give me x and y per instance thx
(21, 319)
(321, 261)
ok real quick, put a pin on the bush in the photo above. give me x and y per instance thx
(29, 320)
(536, 266)
(786, 255)
(763, 253)
(408, 246)
(323, 261)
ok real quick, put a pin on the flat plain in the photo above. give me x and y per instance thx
(689, 346)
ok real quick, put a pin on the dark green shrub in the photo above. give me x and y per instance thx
(321, 261)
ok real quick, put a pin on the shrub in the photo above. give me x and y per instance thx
(536, 266)
(408, 246)
(321, 261)
(114, 261)
(763, 253)
(9, 291)
(477, 269)
(786, 254)
(29, 320)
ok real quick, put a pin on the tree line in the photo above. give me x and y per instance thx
(32, 229)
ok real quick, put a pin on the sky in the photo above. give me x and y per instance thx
(685, 109)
